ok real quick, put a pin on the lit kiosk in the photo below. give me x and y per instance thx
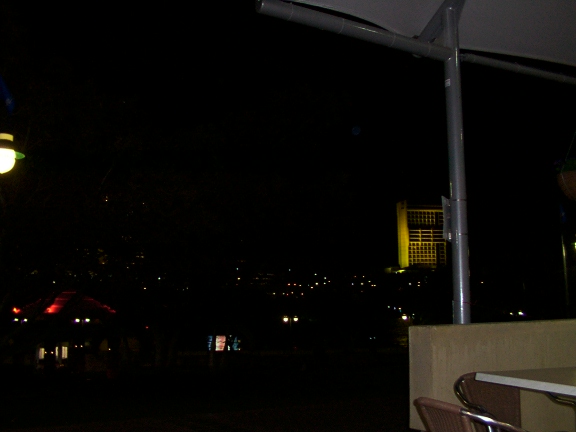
(7, 154)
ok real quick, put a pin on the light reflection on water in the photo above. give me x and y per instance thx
(400, 336)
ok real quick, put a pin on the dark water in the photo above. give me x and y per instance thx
(309, 390)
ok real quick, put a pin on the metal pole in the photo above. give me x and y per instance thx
(460, 259)
(324, 21)
(517, 68)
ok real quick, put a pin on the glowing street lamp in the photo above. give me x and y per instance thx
(7, 154)
(287, 319)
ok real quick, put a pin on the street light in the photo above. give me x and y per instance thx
(7, 154)
(289, 319)
(286, 319)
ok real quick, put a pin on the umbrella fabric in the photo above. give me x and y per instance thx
(535, 29)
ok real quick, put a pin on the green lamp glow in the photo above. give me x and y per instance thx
(7, 155)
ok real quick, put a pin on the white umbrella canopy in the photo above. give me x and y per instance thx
(542, 30)
(536, 29)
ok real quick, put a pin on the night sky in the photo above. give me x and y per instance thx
(296, 143)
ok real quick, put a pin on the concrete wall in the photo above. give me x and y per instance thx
(440, 354)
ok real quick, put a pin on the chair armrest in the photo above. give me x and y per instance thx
(460, 394)
(562, 399)
(490, 422)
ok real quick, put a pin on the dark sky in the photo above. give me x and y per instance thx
(331, 116)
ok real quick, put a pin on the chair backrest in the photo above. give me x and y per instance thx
(497, 401)
(439, 416)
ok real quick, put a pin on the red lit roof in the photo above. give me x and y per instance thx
(69, 301)
(59, 302)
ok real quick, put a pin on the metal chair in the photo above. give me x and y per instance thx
(492, 400)
(439, 416)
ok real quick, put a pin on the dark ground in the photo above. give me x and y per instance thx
(343, 391)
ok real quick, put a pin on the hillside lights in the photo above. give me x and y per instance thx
(7, 155)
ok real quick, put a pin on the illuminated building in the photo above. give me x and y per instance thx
(420, 239)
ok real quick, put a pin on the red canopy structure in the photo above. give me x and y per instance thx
(502, 34)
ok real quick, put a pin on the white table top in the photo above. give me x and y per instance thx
(560, 381)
